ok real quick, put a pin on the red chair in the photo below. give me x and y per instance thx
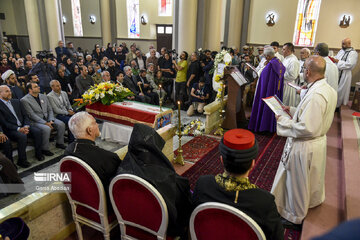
(139, 207)
(87, 197)
(214, 221)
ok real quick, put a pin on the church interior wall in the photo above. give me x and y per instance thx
(9, 24)
(149, 8)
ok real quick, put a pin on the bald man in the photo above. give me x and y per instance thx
(304, 54)
(299, 181)
(346, 60)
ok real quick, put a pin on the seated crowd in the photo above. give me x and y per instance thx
(41, 89)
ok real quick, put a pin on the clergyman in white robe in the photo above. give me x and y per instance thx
(292, 65)
(331, 73)
(347, 61)
(299, 180)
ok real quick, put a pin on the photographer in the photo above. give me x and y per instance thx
(45, 70)
(180, 81)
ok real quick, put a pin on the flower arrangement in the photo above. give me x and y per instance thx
(105, 92)
(224, 58)
(194, 128)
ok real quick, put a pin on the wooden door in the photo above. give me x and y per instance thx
(164, 36)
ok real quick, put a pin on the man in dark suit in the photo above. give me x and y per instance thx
(145, 85)
(140, 60)
(85, 129)
(133, 85)
(61, 50)
(16, 126)
(41, 115)
(238, 150)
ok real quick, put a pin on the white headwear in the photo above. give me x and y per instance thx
(7, 74)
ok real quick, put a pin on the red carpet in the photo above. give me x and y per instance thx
(198, 147)
(263, 174)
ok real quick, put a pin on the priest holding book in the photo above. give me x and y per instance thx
(299, 181)
(271, 83)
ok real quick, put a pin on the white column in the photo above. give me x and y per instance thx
(105, 21)
(53, 23)
(213, 25)
(33, 25)
(187, 26)
(235, 23)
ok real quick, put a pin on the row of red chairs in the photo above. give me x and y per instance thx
(141, 211)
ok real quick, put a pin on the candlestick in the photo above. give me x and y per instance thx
(179, 158)
(160, 99)
(220, 130)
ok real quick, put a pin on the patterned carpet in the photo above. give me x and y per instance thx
(263, 174)
(198, 147)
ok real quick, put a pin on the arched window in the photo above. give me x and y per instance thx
(76, 15)
(306, 22)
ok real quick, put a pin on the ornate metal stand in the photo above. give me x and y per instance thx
(179, 158)
(220, 130)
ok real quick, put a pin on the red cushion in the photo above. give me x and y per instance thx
(136, 204)
(83, 186)
(214, 224)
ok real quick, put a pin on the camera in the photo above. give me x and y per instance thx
(44, 55)
(174, 54)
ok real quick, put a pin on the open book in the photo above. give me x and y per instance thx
(277, 106)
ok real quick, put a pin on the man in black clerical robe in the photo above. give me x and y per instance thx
(146, 160)
(103, 162)
(238, 150)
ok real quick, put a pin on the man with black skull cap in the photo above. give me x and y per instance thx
(238, 150)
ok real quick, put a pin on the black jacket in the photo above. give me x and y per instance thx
(131, 83)
(256, 203)
(146, 160)
(103, 162)
(8, 120)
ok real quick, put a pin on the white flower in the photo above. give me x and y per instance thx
(97, 96)
(102, 95)
(110, 92)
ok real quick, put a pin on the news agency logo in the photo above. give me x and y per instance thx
(52, 177)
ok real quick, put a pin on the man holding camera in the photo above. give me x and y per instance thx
(41, 115)
(45, 70)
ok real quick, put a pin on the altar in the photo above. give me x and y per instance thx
(130, 112)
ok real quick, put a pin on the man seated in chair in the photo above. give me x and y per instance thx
(85, 129)
(145, 159)
(60, 104)
(238, 150)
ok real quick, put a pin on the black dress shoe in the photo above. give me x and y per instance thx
(40, 157)
(62, 146)
(24, 164)
(47, 153)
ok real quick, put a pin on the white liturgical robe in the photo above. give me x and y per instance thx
(292, 65)
(279, 56)
(347, 61)
(299, 180)
(331, 73)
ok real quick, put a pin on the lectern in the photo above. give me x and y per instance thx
(235, 112)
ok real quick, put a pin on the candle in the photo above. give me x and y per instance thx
(179, 115)
(160, 90)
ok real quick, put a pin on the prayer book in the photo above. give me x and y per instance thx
(293, 85)
(277, 106)
(238, 77)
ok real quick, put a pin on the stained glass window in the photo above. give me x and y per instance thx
(165, 8)
(76, 15)
(133, 18)
(306, 22)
